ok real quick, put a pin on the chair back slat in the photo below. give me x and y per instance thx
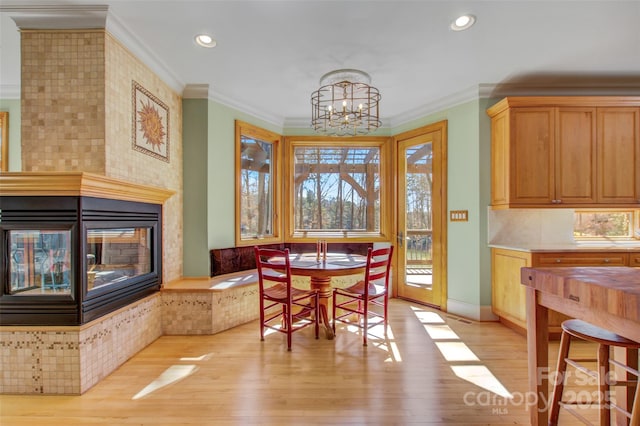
(378, 266)
(273, 267)
(283, 308)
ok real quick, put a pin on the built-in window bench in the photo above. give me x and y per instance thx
(209, 305)
(230, 296)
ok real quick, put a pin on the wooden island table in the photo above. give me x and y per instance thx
(608, 297)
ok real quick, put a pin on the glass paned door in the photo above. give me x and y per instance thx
(420, 240)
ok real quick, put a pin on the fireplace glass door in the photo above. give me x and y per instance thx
(39, 262)
(117, 254)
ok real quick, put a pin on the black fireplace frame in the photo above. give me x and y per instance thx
(76, 214)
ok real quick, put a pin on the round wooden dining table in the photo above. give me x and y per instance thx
(320, 270)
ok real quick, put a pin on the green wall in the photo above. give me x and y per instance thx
(469, 275)
(15, 150)
(209, 188)
(221, 172)
(468, 188)
(195, 142)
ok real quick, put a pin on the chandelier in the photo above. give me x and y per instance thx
(345, 104)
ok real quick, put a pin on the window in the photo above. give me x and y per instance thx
(257, 185)
(606, 225)
(335, 188)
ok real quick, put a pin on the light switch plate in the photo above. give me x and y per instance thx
(459, 215)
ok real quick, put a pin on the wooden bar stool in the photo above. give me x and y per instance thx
(605, 339)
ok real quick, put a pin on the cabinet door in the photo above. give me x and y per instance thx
(500, 159)
(532, 155)
(618, 155)
(634, 260)
(575, 156)
(508, 295)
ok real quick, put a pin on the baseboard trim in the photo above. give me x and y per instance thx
(471, 311)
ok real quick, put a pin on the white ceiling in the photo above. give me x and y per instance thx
(271, 54)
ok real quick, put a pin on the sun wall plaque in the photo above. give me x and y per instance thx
(150, 123)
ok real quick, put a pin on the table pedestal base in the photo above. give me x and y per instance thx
(323, 285)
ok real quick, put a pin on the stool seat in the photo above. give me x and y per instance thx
(605, 339)
(589, 332)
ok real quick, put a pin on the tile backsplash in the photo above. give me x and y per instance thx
(530, 226)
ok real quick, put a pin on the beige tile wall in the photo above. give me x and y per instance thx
(77, 116)
(208, 312)
(63, 101)
(70, 360)
(123, 162)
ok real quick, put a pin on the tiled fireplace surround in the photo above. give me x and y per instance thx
(89, 130)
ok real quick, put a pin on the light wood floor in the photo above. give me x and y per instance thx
(432, 369)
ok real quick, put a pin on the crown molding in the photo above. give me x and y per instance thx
(196, 91)
(60, 17)
(470, 94)
(143, 52)
(273, 119)
(9, 91)
(57, 17)
(599, 88)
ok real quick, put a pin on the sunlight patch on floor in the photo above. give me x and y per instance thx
(378, 338)
(170, 375)
(481, 376)
(455, 351)
(204, 357)
(427, 317)
(441, 332)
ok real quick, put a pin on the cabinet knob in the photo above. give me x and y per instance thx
(607, 260)
(558, 260)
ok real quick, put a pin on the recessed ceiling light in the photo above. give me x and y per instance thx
(205, 40)
(463, 22)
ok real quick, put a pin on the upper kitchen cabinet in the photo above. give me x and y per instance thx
(565, 152)
(619, 155)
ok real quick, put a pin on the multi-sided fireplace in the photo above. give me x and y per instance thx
(69, 259)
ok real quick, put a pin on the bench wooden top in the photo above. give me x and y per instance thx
(217, 283)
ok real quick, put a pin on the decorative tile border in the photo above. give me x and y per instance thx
(70, 360)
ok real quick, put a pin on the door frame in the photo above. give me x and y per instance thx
(439, 217)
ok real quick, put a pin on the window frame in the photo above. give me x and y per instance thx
(634, 225)
(255, 132)
(384, 144)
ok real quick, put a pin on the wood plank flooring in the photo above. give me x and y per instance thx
(432, 369)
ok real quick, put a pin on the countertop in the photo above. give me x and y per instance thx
(570, 247)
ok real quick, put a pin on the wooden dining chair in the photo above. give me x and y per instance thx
(359, 298)
(283, 307)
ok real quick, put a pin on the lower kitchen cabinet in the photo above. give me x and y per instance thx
(508, 295)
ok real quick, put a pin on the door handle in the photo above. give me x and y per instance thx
(400, 238)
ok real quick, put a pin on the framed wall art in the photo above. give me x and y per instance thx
(150, 123)
(4, 141)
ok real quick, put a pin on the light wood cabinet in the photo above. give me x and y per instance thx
(619, 155)
(565, 152)
(548, 260)
(508, 294)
